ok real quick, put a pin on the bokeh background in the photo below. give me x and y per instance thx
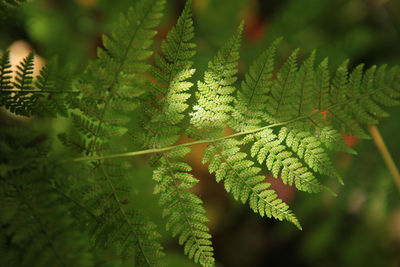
(359, 227)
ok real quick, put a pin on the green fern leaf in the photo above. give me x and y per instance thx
(42, 95)
(35, 219)
(185, 214)
(214, 96)
(110, 88)
(332, 139)
(5, 72)
(169, 94)
(305, 83)
(357, 98)
(244, 181)
(280, 160)
(308, 147)
(251, 99)
(281, 98)
(20, 101)
(115, 223)
(111, 84)
(321, 92)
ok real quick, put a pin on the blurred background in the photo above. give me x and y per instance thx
(359, 227)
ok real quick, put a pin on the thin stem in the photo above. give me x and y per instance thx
(38, 91)
(157, 150)
(385, 153)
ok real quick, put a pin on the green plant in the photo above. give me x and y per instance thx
(287, 121)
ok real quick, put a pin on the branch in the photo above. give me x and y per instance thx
(157, 150)
(385, 153)
(38, 91)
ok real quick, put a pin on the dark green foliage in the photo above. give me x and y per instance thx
(48, 94)
(5, 72)
(110, 86)
(19, 102)
(112, 221)
(12, 3)
(36, 224)
(7, 6)
(359, 97)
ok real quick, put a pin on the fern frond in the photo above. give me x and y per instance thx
(110, 89)
(214, 96)
(185, 214)
(57, 89)
(214, 110)
(244, 181)
(282, 163)
(169, 94)
(43, 95)
(342, 115)
(132, 233)
(359, 97)
(21, 102)
(166, 112)
(111, 84)
(332, 139)
(305, 83)
(114, 222)
(5, 72)
(279, 105)
(24, 77)
(321, 92)
(34, 218)
(170, 91)
(178, 48)
(308, 147)
(251, 99)
(297, 99)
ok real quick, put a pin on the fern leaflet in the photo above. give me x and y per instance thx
(251, 99)
(35, 220)
(163, 115)
(42, 95)
(110, 86)
(244, 181)
(214, 95)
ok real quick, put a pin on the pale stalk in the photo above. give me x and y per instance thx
(385, 153)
